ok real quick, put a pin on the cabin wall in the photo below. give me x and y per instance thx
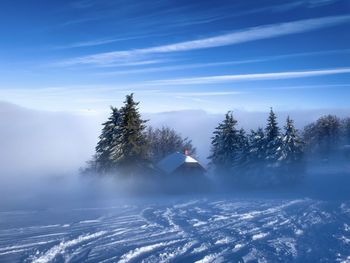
(190, 169)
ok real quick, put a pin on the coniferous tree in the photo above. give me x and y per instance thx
(272, 130)
(291, 154)
(257, 144)
(272, 140)
(292, 144)
(131, 151)
(241, 160)
(256, 158)
(122, 144)
(164, 141)
(224, 145)
(103, 161)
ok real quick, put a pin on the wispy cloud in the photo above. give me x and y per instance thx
(201, 93)
(215, 14)
(317, 3)
(176, 67)
(91, 43)
(212, 64)
(250, 77)
(246, 35)
(301, 87)
(105, 41)
(303, 3)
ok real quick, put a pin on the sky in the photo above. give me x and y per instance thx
(85, 55)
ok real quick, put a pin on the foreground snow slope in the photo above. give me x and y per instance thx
(212, 229)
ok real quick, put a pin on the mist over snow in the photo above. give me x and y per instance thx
(56, 143)
(39, 143)
(95, 221)
(174, 131)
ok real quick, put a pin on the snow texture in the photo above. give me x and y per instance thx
(220, 229)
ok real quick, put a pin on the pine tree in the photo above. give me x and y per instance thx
(292, 145)
(272, 130)
(256, 159)
(257, 144)
(291, 154)
(225, 144)
(273, 140)
(241, 158)
(131, 151)
(103, 161)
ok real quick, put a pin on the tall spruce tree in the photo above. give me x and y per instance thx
(291, 154)
(292, 145)
(241, 157)
(131, 151)
(224, 145)
(103, 161)
(272, 130)
(272, 140)
(257, 145)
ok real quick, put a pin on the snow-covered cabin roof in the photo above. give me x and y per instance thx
(173, 161)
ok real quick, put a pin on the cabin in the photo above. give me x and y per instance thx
(181, 164)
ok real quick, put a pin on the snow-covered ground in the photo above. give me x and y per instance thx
(191, 229)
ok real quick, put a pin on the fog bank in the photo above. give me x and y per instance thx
(57, 143)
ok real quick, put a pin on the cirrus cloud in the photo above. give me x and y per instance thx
(245, 35)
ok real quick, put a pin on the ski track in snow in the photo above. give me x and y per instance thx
(199, 230)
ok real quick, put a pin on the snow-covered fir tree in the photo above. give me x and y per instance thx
(291, 153)
(131, 151)
(103, 161)
(225, 145)
(272, 140)
(292, 145)
(122, 145)
(257, 145)
(241, 157)
(272, 130)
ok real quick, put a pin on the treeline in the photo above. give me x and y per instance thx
(267, 156)
(275, 156)
(127, 147)
(328, 138)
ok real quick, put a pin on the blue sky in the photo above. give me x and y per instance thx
(84, 55)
